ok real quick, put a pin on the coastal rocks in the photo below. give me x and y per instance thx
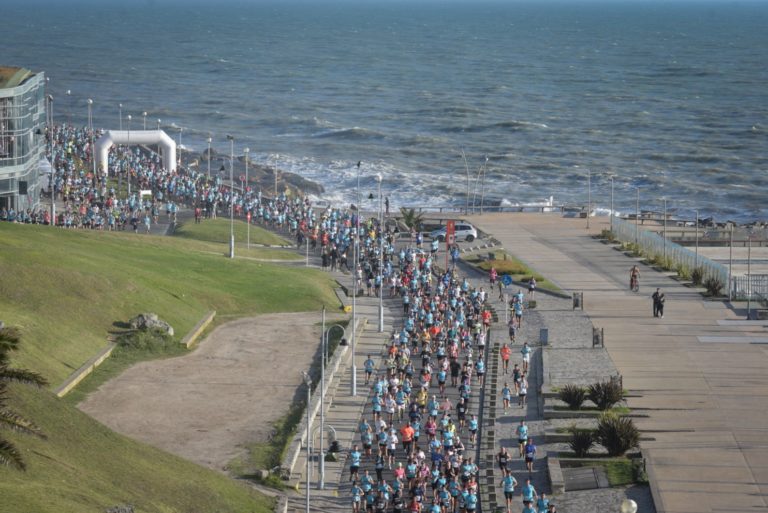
(259, 176)
(150, 322)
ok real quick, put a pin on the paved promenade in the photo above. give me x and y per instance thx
(706, 401)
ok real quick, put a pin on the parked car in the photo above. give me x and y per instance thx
(463, 231)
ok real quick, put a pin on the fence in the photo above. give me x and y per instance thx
(653, 244)
(755, 285)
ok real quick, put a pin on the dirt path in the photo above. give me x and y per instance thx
(206, 405)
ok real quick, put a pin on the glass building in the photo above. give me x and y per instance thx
(22, 137)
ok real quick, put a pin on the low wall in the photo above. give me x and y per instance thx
(341, 358)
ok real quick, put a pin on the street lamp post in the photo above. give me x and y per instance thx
(637, 217)
(665, 231)
(129, 151)
(158, 124)
(69, 107)
(589, 195)
(247, 151)
(482, 185)
(466, 167)
(697, 241)
(144, 114)
(90, 129)
(209, 156)
(231, 196)
(355, 242)
(381, 260)
(308, 383)
(612, 212)
(181, 153)
(120, 115)
(53, 160)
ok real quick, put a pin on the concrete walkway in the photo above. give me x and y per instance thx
(706, 401)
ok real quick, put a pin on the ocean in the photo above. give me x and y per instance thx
(671, 98)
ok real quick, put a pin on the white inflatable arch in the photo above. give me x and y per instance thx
(134, 137)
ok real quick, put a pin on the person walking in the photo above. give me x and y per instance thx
(658, 303)
(530, 454)
(509, 482)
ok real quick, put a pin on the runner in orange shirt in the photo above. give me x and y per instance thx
(406, 436)
(505, 352)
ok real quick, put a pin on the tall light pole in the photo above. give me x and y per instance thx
(482, 185)
(210, 139)
(144, 114)
(665, 231)
(355, 242)
(697, 242)
(466, 167)
(381, 260)
(637, 217)
(232, 198)
(120, 114)
(158, 124)
(589, 195)
(181, 152)
(247, 151)
(129, 150)
(69, 107)
(612, 212)
(53, 160)
(308, 383)
(90, 129)
(749, 275)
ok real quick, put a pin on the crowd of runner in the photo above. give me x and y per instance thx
(416, 442)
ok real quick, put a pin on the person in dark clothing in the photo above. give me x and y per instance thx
(658, 303)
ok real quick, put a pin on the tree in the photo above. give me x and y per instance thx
(411, 218)
(10, 338)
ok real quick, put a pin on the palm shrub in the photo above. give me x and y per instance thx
(605, 394)
(581, 441)
(617, 434)
(697, 275)
(713, 286)
(573, 396)
(10, 338)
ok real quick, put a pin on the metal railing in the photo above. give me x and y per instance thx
(753, 286)
(653, 244)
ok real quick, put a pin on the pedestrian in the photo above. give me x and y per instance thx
(658, 303)
(529, 493)
(522, 436)
(530, 454)
(369, 366)
(502, 458)
(505, 352)
(523, 392)
(354, 466)
(506, 396)
(356, 493)
(508, 482)
(525, 351)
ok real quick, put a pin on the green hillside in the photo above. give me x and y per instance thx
(66, 290)
(84, 467)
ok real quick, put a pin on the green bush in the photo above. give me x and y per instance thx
(151, 340)
(617, 434)
(581, 441)
(607, 234)
(714, 286)
(697, 276)
(573, 396)
(605, 394)
(682, 271)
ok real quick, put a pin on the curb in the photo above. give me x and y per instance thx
(191, 337)
(79, 375)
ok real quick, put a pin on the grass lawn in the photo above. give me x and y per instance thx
(66, 290)
(508, 264)
(218, 230)
(83, 466)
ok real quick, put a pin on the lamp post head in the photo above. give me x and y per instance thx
(159, 121)
(230, 137)
(247, 151)
(628, 506)
(129, 117)
(69, 92)
(378, 177)
(144, 114)
(210, 140)
(120, 105)
(90, 102)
